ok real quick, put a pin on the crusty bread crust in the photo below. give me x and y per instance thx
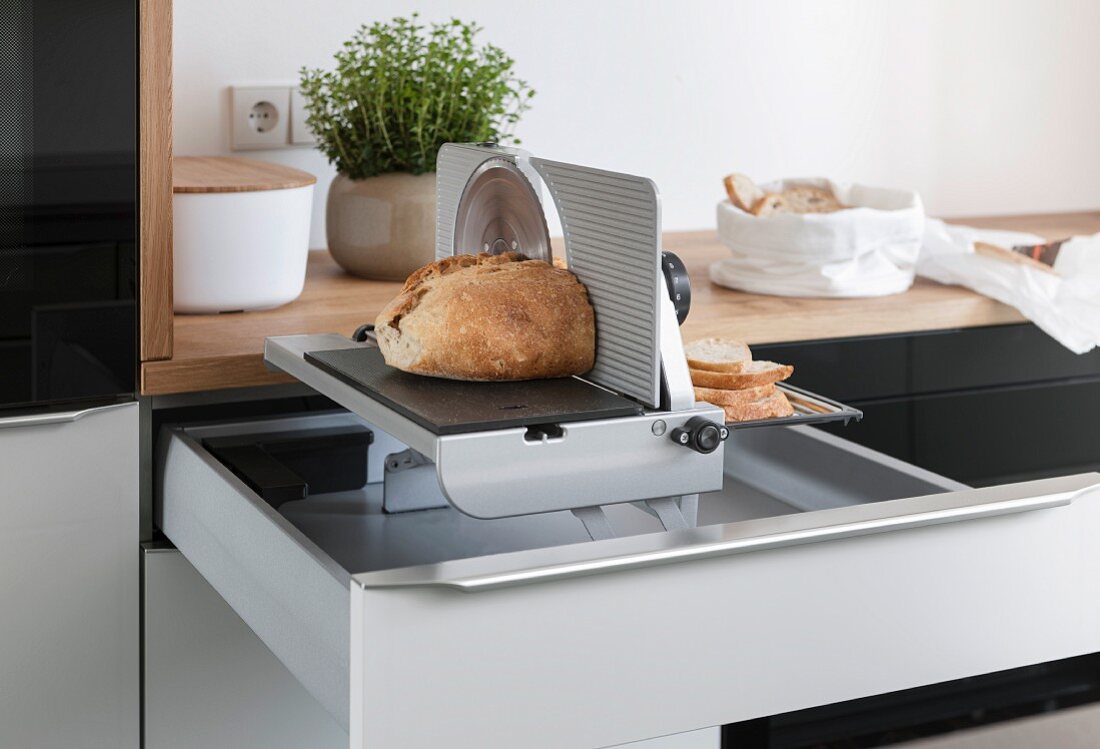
(489, 317)
(754, 375)
(720, 397)
(772, 406)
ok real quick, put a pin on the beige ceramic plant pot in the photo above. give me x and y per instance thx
(382, 227)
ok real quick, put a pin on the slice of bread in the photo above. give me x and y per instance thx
(717, 355)
(742, 191)
(720, 397)
(810, 199)
(752, 374)
(772, 204)
(771, 406)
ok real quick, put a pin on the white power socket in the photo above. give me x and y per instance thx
(268, 117)
(260, 117)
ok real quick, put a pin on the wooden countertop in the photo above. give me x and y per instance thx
(222, 351)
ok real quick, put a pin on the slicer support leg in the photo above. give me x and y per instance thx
(689, 506)
(595, 522)
(673, 512)
(667, 510)
(410, 483)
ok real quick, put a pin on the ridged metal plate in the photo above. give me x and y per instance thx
(454, 165)
(612, 227)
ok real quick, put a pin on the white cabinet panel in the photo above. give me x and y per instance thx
(69, 580)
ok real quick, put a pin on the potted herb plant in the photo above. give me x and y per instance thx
(398, 92)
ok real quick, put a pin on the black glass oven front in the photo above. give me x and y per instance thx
(68, 201)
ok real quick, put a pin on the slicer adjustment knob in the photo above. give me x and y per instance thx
(701, 435)
(679, 286)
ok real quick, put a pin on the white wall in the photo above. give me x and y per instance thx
(982, 106)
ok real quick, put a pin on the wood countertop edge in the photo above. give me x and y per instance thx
(213, 373)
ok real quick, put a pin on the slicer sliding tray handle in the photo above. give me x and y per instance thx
(454, 407)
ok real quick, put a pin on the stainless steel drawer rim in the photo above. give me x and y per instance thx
(698, 543)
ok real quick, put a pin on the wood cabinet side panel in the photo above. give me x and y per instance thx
(155, 172)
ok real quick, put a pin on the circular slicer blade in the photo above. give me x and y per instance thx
(500, 212)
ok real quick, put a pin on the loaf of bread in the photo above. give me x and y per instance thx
(489, 317)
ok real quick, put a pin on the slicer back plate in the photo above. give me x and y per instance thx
(612, 227)
(454, 407)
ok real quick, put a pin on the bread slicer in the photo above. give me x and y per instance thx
(628, 430)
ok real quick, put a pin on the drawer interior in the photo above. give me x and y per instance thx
(769, 472)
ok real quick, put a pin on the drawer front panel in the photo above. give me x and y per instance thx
(644, 651)
(210, 683)
(69, 576)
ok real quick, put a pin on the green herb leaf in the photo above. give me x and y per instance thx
(400, 90)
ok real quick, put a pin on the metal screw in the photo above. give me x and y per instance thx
(658, 427)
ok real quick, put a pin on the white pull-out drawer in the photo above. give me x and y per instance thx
(802, 586)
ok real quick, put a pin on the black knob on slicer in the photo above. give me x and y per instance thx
(699, 434)
(679, 287)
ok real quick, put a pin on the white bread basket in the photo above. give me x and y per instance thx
(868, 250)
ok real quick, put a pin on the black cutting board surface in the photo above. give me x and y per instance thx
(453, 407)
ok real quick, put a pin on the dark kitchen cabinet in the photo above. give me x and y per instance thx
(982, 405)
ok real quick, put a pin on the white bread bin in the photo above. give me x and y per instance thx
(869, 249)
(240, 233)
